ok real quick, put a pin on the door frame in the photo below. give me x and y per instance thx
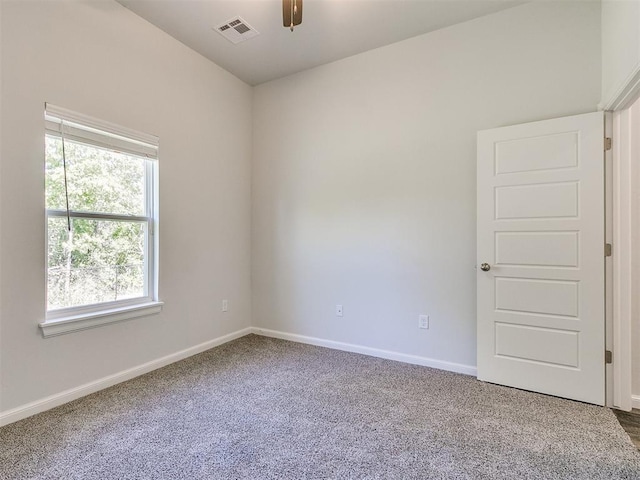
(622, 176)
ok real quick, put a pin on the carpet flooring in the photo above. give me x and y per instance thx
(260, 408)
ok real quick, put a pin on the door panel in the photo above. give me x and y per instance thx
(519, 342)
(539, 249)
(538, 153)
(551, 200)
(524, 295)
(541, 229)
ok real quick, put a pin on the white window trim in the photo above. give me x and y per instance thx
(73, 323)
(84, 128)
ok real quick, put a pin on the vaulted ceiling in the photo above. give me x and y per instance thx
(330, 30)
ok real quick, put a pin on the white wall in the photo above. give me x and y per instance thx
(100, 59)
(620, 45)
(363, 177)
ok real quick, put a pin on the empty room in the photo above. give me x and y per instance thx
(319, 239)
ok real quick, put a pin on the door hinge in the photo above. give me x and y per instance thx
(608, 356)
(607, 249)
(607, 143)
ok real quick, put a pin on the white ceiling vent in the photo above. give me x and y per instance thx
(236, 30)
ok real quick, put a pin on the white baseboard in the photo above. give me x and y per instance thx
(58, 399)
(374, 352)
(635, 401)
(61, 398)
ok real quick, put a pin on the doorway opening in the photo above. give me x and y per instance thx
(624, 329)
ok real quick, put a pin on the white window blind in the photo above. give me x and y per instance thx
(84, 129)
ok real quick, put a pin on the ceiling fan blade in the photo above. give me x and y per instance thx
(286, 13)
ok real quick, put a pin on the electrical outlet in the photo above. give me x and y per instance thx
(423, 321)
(338, 310)
(225, 306)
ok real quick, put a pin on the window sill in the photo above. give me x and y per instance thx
(60, 326)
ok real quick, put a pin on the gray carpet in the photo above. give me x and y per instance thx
(262, 408)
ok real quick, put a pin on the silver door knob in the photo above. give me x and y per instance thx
(485, 267)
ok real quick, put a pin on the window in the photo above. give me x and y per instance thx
(100, 190)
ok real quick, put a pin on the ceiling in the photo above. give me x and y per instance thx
(330, 30)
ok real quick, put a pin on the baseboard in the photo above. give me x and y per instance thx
(635, 401)
(61, 398)
(374, 352)
(58, 399)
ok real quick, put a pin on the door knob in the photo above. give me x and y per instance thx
(485, 267)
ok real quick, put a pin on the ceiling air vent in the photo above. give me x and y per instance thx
(236, 30)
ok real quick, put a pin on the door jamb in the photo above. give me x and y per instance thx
(612, 380)
(623, 211)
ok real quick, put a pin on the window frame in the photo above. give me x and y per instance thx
(97, 133)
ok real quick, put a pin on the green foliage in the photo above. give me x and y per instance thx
(98, 180)
(98, 260)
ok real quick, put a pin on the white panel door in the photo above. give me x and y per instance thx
(541, 235)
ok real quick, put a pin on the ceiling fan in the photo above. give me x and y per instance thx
(291, 13)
